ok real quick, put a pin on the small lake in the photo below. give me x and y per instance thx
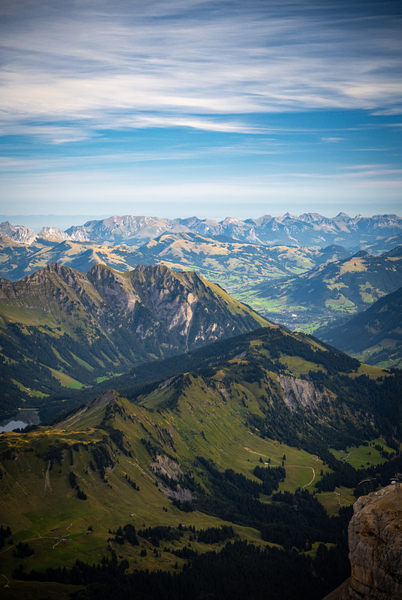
(11, 425)
(20, 420)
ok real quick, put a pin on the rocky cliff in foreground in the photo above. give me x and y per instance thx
(375, 547)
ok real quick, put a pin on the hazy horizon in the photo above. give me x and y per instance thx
(36, 222)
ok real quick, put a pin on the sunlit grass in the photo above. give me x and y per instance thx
(66, 380)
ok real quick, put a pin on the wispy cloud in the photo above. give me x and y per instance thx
(332, 140)
(97, 62)
(216, 99)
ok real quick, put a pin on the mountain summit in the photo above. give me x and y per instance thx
(59, 326)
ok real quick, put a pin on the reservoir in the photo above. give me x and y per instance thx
(20, 420)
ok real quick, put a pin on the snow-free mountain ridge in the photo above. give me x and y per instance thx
(308, 229)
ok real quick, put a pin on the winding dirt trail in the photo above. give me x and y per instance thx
(310, 482)
(293, 466)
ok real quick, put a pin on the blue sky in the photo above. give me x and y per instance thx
(214, 108)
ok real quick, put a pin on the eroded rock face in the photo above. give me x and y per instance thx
(300, 393)
(124, 319)
(18, 233)
(375, 547)
(53, 233)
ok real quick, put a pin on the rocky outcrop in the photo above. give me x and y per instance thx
(53, 233)
(18, 233)
(300, 393)
(169, 469)
(375, 547)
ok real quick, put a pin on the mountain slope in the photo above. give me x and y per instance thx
(331, 291)
(113, 450)
(374, 336)
(61, 327)
(188, 451)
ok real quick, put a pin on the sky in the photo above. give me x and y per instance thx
(175, 108)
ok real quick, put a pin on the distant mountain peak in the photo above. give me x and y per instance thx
(306, 230)
(53, 233)
(18, 233)
(395, 251)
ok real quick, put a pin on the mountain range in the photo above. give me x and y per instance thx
(235, 264)
(189, 447)
(310, 230)
(304, 288)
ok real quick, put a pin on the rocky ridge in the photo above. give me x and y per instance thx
(103, 323)
(18, 233)
(309, 229)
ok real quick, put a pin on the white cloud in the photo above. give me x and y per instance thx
(101, 62)
(332, 140)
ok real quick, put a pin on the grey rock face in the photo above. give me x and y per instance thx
(375, 547)
(53, 233)
(18, 233)
(299, 393)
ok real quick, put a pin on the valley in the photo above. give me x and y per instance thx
(373, 336)
(330, 292)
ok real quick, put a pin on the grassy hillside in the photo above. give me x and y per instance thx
(44, 512)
